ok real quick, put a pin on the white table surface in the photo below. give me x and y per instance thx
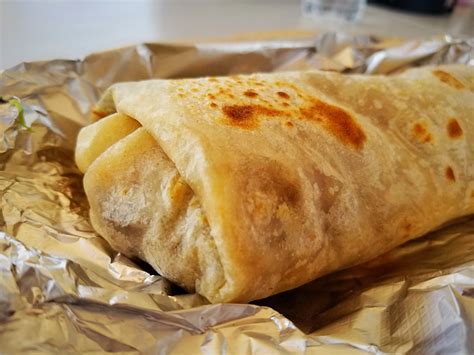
(47, 29)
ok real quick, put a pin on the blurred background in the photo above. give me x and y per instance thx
(69, 29)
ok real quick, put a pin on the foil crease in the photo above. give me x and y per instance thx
(63, 289)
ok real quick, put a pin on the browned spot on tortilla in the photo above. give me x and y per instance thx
(289, 124)
(212, 105)
(283, 95)
(211, 96)
(407, 227)
(448, 79)
(223, 91)
(450, 174)
(194, 90)
(290, 193)
(418, 128)
(250, 93)
(181, 95)
(239, 112)
(454, 129)
(336, 121)
(247, 116)
(212, 79)
(421, 133)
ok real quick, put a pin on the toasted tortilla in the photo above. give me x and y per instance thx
(245, 186)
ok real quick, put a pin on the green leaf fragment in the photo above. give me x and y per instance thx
(21, 117)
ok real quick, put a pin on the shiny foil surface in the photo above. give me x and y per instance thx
(63, 289)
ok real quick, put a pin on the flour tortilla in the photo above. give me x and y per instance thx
(245, 186)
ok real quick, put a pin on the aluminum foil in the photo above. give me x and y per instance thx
(63, 289)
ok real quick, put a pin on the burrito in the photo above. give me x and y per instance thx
(244, 186)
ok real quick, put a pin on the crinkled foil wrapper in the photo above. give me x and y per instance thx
(63, 289)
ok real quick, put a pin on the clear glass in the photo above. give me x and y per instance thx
(347, 10)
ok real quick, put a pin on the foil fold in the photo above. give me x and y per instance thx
(62, 288)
